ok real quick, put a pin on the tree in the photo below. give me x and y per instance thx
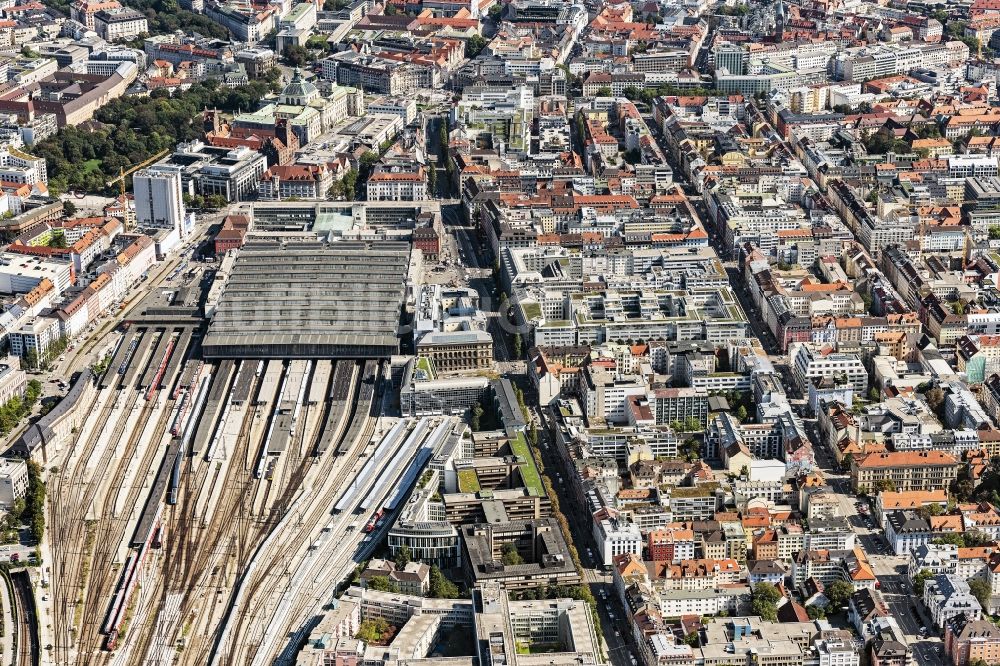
(368, 159)
(737, 10)
(935, 399)
(981, 591)
(297, 56)
(920, 580)
(741, 414)
(994, 232)
(346, 187)
(441, 587)
(372, 630)
(631, 93)
(33, 392)
(929, 510)
(765, 601)
(495, 11)
(69, 208)
(693, 639)
(215, 201)
(391, 10)
(443, 137)
(815, 612)
(958, 307)
(604, 91)
(691, 424)
(839, 592)
(403, 557)
(509, 555)
(476, 420)
(382, 584)
(518, 344)
(474, 46)
(885, 485)
(432, 180)
(35, 501)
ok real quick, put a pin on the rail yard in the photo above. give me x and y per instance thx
(206, 509)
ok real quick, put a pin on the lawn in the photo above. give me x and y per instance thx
(537, 648)
(425, 366)
(529, 473)
(91, 165)
(468, 481)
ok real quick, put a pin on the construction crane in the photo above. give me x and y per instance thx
(122, 173)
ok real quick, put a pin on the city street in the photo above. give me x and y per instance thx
(461, 246)
(480, 277)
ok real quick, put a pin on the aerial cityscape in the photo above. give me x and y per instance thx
(499, 333)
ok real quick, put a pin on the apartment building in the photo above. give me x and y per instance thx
(908, 470)
(967, 641)
(810, 364)
(120, 24)
(947, 596)
(670, 545)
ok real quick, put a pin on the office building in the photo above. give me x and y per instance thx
(159, 200)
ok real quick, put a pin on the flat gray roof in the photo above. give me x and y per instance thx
(311, 300)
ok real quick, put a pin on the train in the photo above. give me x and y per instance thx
(118, 602)
(371, 524)
(128, 356)
(155, 384)
(180, 412)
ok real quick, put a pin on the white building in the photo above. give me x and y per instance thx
(20, 273)
(120, 24)
(835, 650)
(809, 362)
(936, 558)
(159, 198)
(947, 596)
(404, 107)
(397, 186)
(13, 480)
(615, 537)
(19, 167)
(34, 336)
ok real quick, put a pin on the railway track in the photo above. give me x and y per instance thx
(74, 524)
(298, 612)
(184, 554)
(189, 566)
(28, 643)
(204, 552)
(260, 591)
(82, 550)
(109, 538)
(68, 549)
(319, 510)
